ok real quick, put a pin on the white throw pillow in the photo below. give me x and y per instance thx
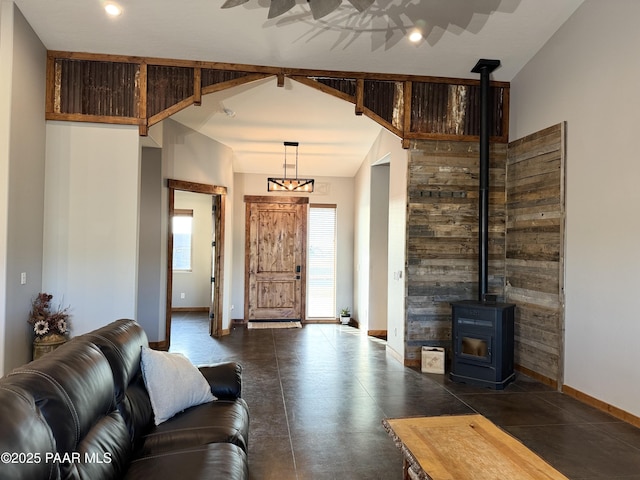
(173, 383)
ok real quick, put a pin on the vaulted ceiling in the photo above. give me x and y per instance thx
(259, 117)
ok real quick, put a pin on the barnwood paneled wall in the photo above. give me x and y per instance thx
(535, 251)
(85, 87)
(442, 236)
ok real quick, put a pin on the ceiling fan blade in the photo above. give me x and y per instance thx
(320, 8)
(278, 7)
(233, 3)
(361, 5)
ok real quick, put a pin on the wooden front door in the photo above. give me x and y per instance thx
(275, 258)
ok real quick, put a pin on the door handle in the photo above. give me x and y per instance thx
(297, 277)
(298, 269)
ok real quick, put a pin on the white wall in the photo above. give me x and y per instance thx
(22, 147)
(6, 62)
(587, 75)
(362, 243)
(396, 265)
(386, 146)
(379, 247)
(91, 252)
(190, 156)
(333, 190)
(152, 285)
(91, 221)
(196, 283)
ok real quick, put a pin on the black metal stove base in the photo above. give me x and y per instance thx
(478, 382)
(483, 343)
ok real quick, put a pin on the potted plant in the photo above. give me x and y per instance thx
(345, 316)
(50, 324)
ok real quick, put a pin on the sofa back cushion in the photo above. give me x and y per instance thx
(121, 343)
(73, 390)
(25, 438)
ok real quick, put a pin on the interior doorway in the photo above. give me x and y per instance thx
(212, 264)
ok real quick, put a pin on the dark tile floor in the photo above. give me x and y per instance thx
(317, 397)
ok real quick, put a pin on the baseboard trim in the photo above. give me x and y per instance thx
(550, 382)
(395, 355)
(603, 406)
(378, 334)
(583, 397)
(163, 345)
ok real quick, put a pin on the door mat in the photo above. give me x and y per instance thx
(278, 324)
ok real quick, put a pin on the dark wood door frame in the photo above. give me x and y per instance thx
(220, 194)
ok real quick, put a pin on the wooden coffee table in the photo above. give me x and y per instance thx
(464, 447)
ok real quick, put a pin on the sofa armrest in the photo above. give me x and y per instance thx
(225, 379)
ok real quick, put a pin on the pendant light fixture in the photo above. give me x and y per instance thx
(287, 184)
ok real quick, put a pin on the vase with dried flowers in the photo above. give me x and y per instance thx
(50, 324)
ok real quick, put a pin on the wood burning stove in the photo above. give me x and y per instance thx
(482, 334)
(482, 330)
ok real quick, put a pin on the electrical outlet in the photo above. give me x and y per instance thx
(182, 295)
(23, 278)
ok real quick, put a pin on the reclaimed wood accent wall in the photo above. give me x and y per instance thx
(101, 88)
(144, 91)
(442, 236)
(535, 251)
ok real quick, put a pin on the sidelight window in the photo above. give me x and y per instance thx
(321, 272)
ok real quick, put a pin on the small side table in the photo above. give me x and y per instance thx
(464, 447)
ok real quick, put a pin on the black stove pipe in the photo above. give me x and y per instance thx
(484, 68)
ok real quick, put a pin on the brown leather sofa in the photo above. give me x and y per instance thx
(83, 412)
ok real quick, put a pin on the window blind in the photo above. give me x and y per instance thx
(321, 273)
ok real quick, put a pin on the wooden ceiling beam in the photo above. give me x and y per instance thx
(289, 72)
(118, 89)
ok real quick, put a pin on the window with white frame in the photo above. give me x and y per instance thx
(182, 239)
(321, 262)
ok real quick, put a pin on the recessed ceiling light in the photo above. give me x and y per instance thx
(113, 9)
(415, 36)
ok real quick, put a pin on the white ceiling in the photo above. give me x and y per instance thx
(333, 141)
